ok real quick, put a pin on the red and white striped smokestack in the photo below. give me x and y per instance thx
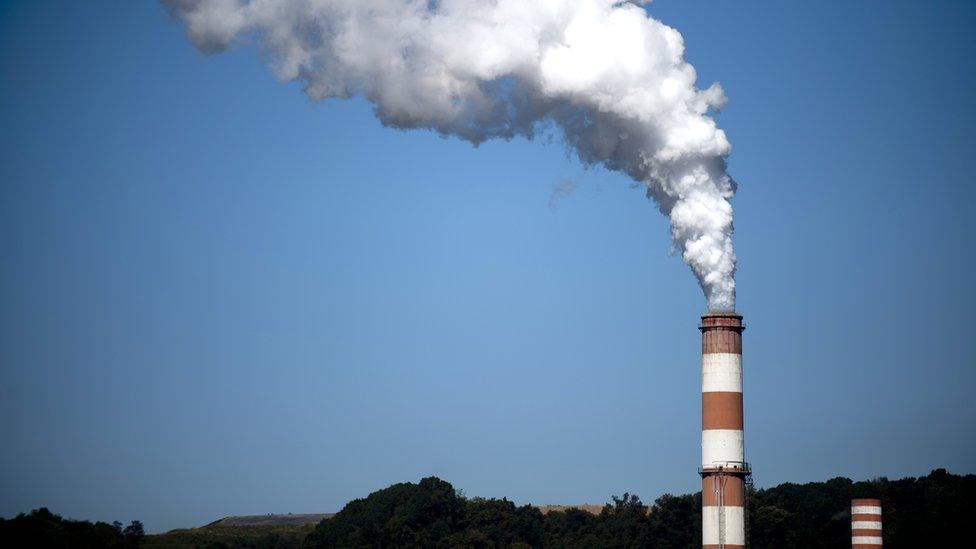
(723, 468)
(865, 523)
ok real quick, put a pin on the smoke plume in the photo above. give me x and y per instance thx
(602, 74)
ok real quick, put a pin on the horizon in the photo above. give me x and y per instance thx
(224, 299)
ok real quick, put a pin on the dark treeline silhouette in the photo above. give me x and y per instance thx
(930, 511)
(433, 514)
(43, 529)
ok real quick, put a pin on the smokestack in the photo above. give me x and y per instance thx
(865, 523)
(723, 468)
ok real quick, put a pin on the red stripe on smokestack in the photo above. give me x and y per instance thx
(723, 467)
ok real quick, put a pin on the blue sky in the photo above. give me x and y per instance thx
(220, 298)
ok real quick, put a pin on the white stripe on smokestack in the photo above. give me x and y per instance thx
(723, 467)
(722, 447)
(865, 523)
(722, 372)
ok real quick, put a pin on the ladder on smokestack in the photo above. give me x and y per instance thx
(720, 497)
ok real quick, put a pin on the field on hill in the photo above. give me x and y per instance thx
(278, 536)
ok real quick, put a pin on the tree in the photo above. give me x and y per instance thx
(771, 528)
(403, 515)
(134, 533)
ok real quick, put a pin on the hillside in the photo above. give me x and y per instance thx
(216, 536)
(272, 520)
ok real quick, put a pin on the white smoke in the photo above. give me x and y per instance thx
(602, 73)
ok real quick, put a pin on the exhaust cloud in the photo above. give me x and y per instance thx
(602, 74)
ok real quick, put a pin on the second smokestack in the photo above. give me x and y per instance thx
(866, 523)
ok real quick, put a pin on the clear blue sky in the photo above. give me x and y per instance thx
(219, 298)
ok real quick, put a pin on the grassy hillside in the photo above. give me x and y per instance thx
(213, 536)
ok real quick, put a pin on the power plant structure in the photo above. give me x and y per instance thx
(865, 523)
(723, 470)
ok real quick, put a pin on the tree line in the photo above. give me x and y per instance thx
(43, 529)
(930, 511)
